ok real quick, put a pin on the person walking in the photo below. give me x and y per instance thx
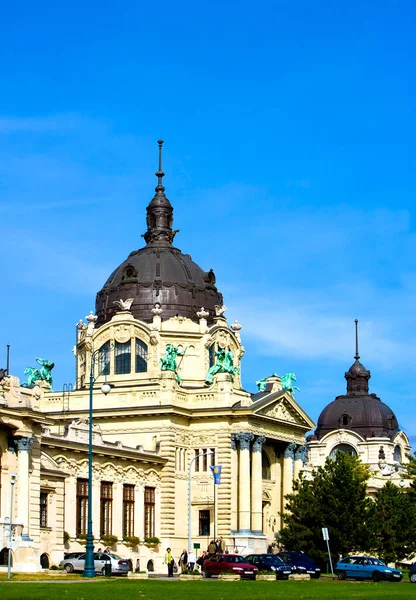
(212, 548)
(221, 544)
(169, 561)
(191, 560)
(183, 561)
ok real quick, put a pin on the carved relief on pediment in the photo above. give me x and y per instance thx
(282, 411)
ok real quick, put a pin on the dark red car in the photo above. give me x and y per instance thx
(228, 563)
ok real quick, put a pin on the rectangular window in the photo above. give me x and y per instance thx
(204, 522)
(212, 456)
(128, 510)
(149, 512)
(122, 356)
(106, 508)
(43, 509)
(141, 356)
(211, 353)
(197, 460)
(82, 506)
(204, 460)
(104, 359)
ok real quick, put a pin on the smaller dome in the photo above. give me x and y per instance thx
(367, 415)
(358, 410)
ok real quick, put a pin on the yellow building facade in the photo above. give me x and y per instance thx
(162, 424)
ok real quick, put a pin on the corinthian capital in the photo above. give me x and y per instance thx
(300, 452)
(290, 450)
(244, 438)
(23, 444)
(258, 443)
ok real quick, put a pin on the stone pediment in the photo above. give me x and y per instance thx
(282, 407)
(47, 462)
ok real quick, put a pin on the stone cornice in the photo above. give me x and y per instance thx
(122, 453)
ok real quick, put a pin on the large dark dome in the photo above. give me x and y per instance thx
(159, 273)
(358, 410)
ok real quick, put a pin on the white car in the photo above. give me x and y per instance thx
(119, 566)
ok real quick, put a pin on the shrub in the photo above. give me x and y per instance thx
(67, 537)
(109, 540)
(152, 540)
(131, 540)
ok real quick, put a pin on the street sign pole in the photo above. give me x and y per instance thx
(325, 535)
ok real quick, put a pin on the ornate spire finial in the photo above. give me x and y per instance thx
(160, 174)
(159, 217)
(357, 356)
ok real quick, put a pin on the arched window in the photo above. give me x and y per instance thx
(104, 359)
(150, 566)
(122, 355)
(44, 561)
(4, 557)
(397, 455)
(342, 448)
(265, 466)
(141, 356)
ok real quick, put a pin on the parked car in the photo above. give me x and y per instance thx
(412, 573)
(73, 554)
(301, 563)
(366, 567)
(228, 563)
(119, 566)
(270, 562)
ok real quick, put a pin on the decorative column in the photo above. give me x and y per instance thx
(299, 460)
(288, 457)
(256, 486)
(234, 484)
(139, 510)
(117, 524)
(96, 506)
(244, 482)
(23, 445)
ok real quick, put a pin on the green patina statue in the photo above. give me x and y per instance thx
(286, 382)
(261, 383)
(168, 361)
(42, 374)
(223, 364)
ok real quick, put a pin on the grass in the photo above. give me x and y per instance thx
(99, 589)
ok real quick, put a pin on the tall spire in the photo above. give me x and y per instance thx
(159, 217)
(357, 375)
(357, 356)
(160, 174)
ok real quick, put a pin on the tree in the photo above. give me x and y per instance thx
(392, 523)
(335, 498)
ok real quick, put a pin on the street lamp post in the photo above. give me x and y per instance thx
(190, 500)
(13, 477)
(89, 569)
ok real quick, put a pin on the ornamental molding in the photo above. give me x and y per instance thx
(123, 333)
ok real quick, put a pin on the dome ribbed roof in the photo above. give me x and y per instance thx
(159, 272)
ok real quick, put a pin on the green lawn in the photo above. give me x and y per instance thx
(123, 589)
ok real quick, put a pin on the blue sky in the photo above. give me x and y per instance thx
(290, 161)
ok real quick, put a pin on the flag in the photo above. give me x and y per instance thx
(216, 471)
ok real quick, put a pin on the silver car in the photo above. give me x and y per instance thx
(119, 566)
